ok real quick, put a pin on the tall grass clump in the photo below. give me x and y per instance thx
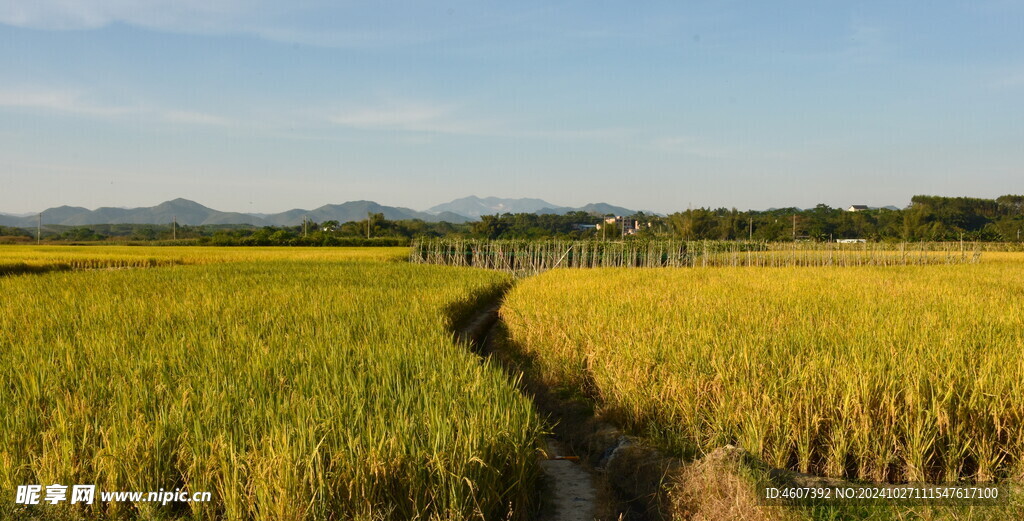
(289, 390)
(900, 373)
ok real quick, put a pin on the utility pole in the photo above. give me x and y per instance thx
(39, 229)
(304, 220)
(750, 230)
(794, 227)
(174, 228)
(368, 225)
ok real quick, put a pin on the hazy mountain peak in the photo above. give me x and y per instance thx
(181, 203)
(473, 206)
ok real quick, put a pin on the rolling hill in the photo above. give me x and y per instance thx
(188, 212)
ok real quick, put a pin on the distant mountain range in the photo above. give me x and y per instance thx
(474, 207)
(192, 213)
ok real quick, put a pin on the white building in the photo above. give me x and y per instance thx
(628, 226)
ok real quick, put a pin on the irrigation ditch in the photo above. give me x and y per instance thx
(592, 470)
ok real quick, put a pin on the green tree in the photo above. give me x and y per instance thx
(488, 227)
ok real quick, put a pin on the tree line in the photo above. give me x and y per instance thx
(927, 218)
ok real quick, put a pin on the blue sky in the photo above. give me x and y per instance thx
(265, 106)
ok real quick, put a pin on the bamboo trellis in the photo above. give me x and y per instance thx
(529, 256)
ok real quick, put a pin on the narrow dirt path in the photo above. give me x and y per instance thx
(572, 494)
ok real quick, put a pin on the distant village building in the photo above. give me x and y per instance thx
(628, 226)
(851, 241)
(585, 227)
(857, 208)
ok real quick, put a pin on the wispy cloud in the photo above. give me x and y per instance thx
(75, 103)
(352, 24)
(407, 116)
(614, 134)
(296, 21)
(445, 118)
(90, 14)
(193, 118)
(690, 146)
(58, 101)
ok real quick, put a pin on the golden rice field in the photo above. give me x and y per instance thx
(880, 373)
(19, 259)
(324, 383)
(326, 388)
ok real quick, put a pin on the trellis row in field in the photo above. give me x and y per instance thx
(525, 256)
